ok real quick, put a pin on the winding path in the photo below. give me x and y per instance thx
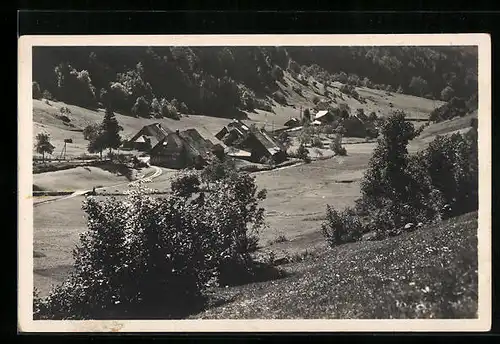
(158, 171)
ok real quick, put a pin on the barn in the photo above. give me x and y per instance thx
(324, 116)
(183, 150)
(148, 137)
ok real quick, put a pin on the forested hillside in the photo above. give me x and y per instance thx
(220, 81)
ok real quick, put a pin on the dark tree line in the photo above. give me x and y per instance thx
(216, 81)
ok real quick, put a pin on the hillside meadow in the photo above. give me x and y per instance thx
(297, 195)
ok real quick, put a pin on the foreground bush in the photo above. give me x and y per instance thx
(303, 154)
(342, 227)
(156, 257)
(186, 184)
(398, 189)
(336, 146)
(138, 256)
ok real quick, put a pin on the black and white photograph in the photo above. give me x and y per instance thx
(265, 179)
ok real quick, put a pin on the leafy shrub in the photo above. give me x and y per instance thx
(219, 170)
(316, 142)
(328, 129)
(343, 227)
(47, 95)
(186, 184)
(169, 110)
(447, 93)
(248, 100)
(263, 105)
(284, 139)
(75, 87)
(372, 132)
(297, 90)
(37, 93)
(156, 108)
(349, 90)
(372, 116)
(306, 134)
(277, 73)
(279, 97)
(343, 110)
(452, 165)
(418, 86)
(303, 153)
(336, 146)
(141, 107)
(456, 107)
(340, 77)
(303, 81)
(91, 131)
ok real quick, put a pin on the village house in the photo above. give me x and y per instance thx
(354, 126)
(323, 117)
(259, 144)
(148, 137)
(184, 150)
(292, 123)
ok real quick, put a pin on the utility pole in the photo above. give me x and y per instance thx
(63, 152)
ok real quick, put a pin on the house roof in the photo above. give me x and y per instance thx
(140, 139)
(320, 114)
(238, 153)
(292, 121)
(316, 122)
(239, 125)
(294, 129)
(197, 143)
(268, 142)
(155, 132)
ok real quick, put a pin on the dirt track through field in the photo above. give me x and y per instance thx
(155, 174)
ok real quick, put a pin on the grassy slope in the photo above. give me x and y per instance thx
(429, 273)
(447, 127)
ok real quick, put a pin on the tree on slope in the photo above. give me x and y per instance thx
(43, 144)
(386, 177)
(111, 131)
(104, 135)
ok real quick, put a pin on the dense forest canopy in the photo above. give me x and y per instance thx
(217, 81)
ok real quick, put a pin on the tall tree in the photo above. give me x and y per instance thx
(43, 144)
(96, 144)
(111, 131)
(418, 85)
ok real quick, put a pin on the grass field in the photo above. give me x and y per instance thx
(430, 273)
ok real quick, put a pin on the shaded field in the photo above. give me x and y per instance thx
(80, 178)
(56, 229)
(297, 196)
(427, 274)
